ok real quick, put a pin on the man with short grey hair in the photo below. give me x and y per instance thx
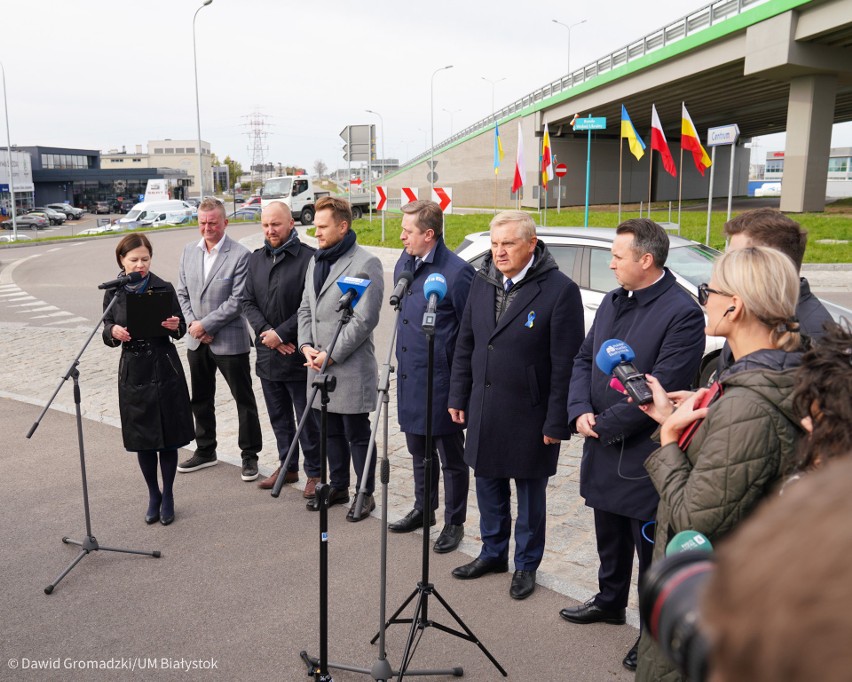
(212, 275)
(521, 328)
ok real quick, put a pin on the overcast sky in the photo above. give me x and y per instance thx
(102, 74)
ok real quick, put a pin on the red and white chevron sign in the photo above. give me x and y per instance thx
(408, 194)
(443, 196)
(381, 197)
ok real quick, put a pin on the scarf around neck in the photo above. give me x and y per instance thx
(325, 258)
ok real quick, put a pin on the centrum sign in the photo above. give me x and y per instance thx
(723, 135)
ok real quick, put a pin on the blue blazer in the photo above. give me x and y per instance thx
(412, 346)
(665, 328)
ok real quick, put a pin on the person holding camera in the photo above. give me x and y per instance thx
(750, 435)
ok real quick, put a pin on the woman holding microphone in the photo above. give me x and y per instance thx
(152, 394)
(748, 440)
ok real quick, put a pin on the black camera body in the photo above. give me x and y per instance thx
(669, 603)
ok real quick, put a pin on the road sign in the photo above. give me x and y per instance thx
(381, 198)
(443, 196)
(561, 170)
(356, 181)
(408, 194)
(591, 123)
(432, 177)
(723, 135)
(360, 143)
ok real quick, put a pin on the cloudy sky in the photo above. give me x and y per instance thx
(107, 74)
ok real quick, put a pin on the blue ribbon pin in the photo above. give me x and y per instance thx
(530, 319)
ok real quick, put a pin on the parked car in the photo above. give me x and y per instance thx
(71, 212)
(252, 201)
(102, 229)
(15, 238)
(768, 189)
(239, 200)
(33, 222)
(102, 207)
(246, 214)
(55, 217)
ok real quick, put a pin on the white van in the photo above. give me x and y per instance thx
(148, 211)
(169, 218)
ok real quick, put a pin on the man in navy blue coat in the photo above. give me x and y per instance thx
(665, 328)
(425, 253)
(521, 329)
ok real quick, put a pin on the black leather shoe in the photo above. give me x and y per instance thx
(335, 496)
(411, 521)
(523, 584)
(367, 505)
(632, 658)
(480, 567)
(591, 613)
(449, 539)
(152, 518)
(166, 520)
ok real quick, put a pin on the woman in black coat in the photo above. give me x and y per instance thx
(153, 398)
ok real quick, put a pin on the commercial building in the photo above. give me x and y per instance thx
(76, 176)
(839, 182)
(175, 154)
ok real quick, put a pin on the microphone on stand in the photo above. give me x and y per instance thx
(434, 289)
(405, 278)
(132, 278)
(353, 288)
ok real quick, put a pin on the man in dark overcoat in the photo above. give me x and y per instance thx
(664, 326)
(273, 293)
(425, 253)
(522, 327)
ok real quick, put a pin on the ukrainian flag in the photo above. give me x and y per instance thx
(637, 147)
(498, 149)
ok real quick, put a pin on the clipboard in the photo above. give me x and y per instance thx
(146, 312)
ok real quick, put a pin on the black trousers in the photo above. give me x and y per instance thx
(281, 398)
(618, 537)
(203, 364)
(456, 474)
(348, 438)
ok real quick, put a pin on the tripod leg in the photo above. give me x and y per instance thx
(83, 552)
(393, 619)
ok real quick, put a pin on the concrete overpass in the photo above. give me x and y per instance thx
(767, 65)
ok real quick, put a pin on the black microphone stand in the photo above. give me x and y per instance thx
(420, 620)
(325, 384)
(381, 670)
(89, 542)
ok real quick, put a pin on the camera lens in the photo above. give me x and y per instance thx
(668, 601)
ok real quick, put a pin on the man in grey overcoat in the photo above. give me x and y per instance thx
(353, 358)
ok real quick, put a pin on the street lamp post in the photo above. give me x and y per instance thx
(451, 112)
(569, 38)
(493, 86)
(9, 158)
(382, 121)
(204, 4)
(432, 125)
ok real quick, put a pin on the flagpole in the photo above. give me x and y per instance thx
(679, 185)
(650, 173)
(620, 153)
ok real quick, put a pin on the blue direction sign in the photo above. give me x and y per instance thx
(591, 123)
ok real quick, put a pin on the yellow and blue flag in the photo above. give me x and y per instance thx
(498, 149)
(637, 146)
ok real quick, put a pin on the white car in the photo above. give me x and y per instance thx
(768, 189)
(11, 238)
(584, 255)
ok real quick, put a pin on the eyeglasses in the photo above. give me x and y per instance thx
(704, 292)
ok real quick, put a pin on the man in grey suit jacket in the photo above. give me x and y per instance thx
(212, 275)
(353, 358)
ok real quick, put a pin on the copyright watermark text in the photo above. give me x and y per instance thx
(123, 663)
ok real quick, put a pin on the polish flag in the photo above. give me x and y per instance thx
(518, 182)
(659, 144)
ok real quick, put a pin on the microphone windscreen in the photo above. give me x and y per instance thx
(134, 277)
(435, 284)
(407, 275)
(688, 540)
(612, 353)
(358, 284)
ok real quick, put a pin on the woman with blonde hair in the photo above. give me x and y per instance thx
(749, 436)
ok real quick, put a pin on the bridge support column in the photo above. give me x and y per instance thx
(810, 114)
